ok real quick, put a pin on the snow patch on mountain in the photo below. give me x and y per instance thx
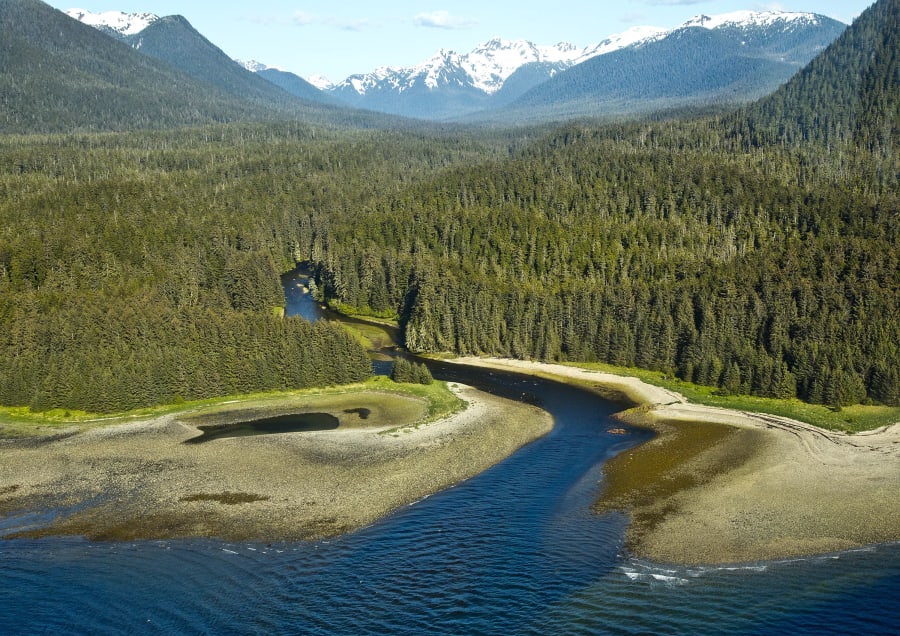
(123, 23)
(256, 67)
(320, 81)
(490, 64)
(635, 36)
(253, 65)
(748, 19)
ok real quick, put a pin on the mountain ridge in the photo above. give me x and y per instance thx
(508, 80)
(766, 45)
(60, 74)
(693, 66)
(83, 78)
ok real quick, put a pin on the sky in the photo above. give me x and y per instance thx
(337, 38)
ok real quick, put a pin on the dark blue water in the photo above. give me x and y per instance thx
(297, 297)
(515, 550)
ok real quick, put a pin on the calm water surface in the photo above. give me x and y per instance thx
(515, 550)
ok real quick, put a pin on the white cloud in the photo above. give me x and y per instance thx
(350, 25)
(442, 20)
(303, 19)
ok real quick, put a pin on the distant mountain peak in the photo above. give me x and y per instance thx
(320, 81)
(485, 68)
(255, 67)
(118, 21)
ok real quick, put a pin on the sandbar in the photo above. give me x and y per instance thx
(140, 481)
(723, 486)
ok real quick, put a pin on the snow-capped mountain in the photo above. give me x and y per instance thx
(120, 23)
(489, 65)
(486, 68)
(450, 83)
(707, 61)
(499, 71)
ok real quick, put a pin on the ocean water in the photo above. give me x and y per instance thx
(515, 550)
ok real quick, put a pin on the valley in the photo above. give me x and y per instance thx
(712, 210)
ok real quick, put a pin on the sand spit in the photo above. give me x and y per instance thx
(763, 488)
(139, 480)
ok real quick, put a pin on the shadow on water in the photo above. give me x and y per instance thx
(295, 423)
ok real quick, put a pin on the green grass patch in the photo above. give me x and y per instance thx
(441, 401)
(388, 316)
(851, 419)
(372, 337)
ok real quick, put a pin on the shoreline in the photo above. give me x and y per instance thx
(718, 486)
(138, 480)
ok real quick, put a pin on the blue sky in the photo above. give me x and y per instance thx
(340, 37)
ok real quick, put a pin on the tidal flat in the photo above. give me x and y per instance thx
(720, 486)
(141, 480)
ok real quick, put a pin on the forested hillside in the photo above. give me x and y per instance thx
(143, 267)
(665, 248)
(173, 40)
(59, 75)
(847, 95)
(760, 265)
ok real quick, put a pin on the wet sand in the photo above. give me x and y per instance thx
(139, 480)
(722, 486)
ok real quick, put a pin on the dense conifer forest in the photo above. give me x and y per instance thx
(756, 251)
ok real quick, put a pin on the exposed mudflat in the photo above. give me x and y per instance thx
(140, 480)
(723, 486)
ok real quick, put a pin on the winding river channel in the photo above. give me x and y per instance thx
(515, 550)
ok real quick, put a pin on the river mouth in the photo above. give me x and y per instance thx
(292, 423)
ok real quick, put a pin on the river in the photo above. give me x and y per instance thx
(515, 550)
